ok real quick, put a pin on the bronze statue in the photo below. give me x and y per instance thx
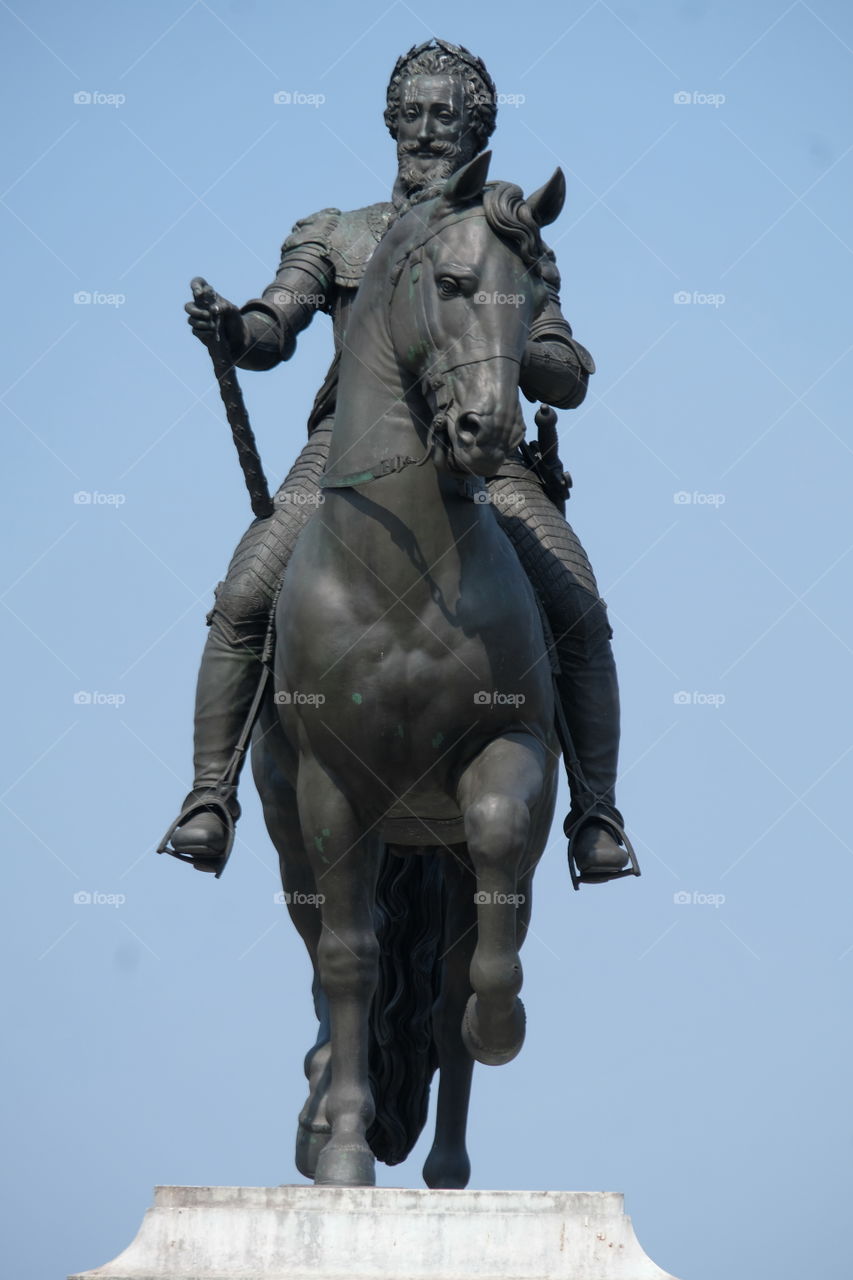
(418, 649)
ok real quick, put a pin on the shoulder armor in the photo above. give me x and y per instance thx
(316, 229)
(584, 358)
(353, 239)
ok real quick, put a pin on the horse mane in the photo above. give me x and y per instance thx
(508, 214)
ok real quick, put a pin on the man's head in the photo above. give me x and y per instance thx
(441, 109)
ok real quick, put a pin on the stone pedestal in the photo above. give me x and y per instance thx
(367, 1233)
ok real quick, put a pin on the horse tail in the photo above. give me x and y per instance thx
(402, 1056)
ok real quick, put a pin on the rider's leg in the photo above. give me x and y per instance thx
(228, 677)
(560, 572)
(231, 663)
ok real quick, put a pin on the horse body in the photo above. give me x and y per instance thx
(414, 670)
(414, 690)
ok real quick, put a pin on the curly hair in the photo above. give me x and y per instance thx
(435, 57)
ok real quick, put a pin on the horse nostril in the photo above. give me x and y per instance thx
(467, 428)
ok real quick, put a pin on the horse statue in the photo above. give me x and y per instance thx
(407, 761)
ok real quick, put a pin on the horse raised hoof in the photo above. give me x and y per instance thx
(350, 1164)
(506, 1038)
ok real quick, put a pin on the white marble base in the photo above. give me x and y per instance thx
(368, 1233)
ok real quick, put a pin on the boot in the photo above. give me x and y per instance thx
(589, 693)
(595, 843)
(228, 680)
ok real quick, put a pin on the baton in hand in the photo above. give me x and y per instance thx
(235, 407)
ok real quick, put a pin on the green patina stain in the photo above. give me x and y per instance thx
(318, 840)
(356, 697)
(416, 350)
(401, 733)
(438, 739)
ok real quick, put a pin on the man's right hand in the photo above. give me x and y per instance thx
(210, 314)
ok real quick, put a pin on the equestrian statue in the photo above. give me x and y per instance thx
(409, 634)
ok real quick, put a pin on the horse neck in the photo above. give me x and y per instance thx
(377, 404)
(381, 413)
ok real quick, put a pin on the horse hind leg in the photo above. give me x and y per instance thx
(447, 1165)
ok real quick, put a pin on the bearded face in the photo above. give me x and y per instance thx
(433, 134)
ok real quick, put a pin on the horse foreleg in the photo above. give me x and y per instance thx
(302, 899)
(345, 866)
(281, 816)
(447, 1165)
(497, 792)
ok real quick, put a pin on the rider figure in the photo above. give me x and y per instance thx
(441, 108)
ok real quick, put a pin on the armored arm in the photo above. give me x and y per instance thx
(555, 367)
(303, 285)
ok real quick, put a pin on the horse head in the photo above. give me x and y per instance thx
(465, 290)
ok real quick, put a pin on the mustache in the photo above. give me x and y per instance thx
(434, 147)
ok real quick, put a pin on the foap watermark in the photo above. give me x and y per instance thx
(696, 98)
(94, 498)
(298, 899)
(98, 298)
(510, 99)
(286, 698)
(85, 98)
(286, 297)
(694, 297)
(482, 898)
(499, 499)
(695, 698)
(494, 298)
(95, 898)
(93, 698)
(693, 898)
(296, 98)
(495, 698)
(695, 498)
(299, 498)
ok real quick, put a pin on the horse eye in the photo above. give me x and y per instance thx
(448, 287)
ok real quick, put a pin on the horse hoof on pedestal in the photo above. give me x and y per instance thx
(446, 1171)
(310, 1141)
(346, 1165)
(499, 1047)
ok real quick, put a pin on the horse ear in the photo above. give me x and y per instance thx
(546, 204)
(467, 183)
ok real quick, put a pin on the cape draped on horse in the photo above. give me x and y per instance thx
(407, 764)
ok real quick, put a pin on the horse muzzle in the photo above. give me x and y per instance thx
(481, 442)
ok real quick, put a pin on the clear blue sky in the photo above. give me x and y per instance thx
(693, 1054)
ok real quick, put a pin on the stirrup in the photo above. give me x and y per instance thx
(216, 863)
(592, 877)
(213, 801)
